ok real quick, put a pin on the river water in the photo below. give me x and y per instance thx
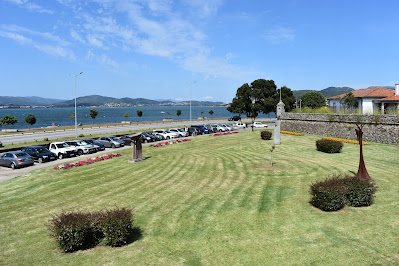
(60, 116)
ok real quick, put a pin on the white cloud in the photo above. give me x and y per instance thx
(208, 97)
(47, 42)
(30, 6)
(279, 34)
(94, 41)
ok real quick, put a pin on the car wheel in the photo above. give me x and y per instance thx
(40, 160)
(80, 152)
(167, 138)
(60, 156)
(113, 146)
(13, 166)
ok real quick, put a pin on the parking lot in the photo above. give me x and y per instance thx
(8, 173)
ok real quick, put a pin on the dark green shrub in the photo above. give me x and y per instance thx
(45, 139)
(72, 231)
(329, 146)
(266, 135)
(76, 230)
(81, 135)
(334, 193)
(359, 192)
(328, 195)
(116, 226)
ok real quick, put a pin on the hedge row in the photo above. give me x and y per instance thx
(78, 230)
(334, 193)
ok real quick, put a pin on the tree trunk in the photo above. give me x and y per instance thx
(362, 171)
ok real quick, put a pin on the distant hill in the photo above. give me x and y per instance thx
(334, 91)
(386, 87)
(328, 92)
(27, 101)
(95, 100)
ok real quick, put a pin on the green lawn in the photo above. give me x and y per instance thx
(213, 200)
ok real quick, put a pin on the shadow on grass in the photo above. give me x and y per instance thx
(135, 234)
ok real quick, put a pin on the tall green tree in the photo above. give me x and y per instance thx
(287, 97)
(30, 119)
(254, 99)
(8, 120)
(211, 113)
(72, 117)
(313, 100)
(93, 115)
(349, 101)
(139, 113)
(178, 113)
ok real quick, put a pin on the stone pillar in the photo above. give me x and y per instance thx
(279, 112)
(276, 137)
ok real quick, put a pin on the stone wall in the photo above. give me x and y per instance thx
(377, 128)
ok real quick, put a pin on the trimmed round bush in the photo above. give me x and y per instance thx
(72, 231)
(328, 195)
(334, 193)
(266, 135)
(329, 146)
(359, 192)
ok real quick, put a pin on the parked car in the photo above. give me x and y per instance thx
(82, 147)
(167, 134)
(62, 149)
(111, 142)
(202, 129)
(157, 136)
(100, 146)
(126, 139)
(259, 125)
(146, 137)
(15, 159)
(211, 128)
(240, 125)
(194, 131)
(180, 131)
(219, 128)
(39, 153)
(229, 128)
(235, 118)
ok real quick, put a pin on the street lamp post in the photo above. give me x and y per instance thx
(76, 118)
(191, 88)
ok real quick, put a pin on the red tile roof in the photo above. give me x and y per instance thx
(389, 99)
(377, 92)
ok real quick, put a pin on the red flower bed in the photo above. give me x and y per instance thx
(223, 133)
(88, 161)
(175, 141)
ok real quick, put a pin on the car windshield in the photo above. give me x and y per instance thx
(62, 145)
(82, 143)
(41, 150)
(167, 131)
(113, 138)
(89, 140)
(21, 154)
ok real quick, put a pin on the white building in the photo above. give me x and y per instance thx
(370, 100)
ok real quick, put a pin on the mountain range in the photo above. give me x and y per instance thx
(99, 101)
(95, 100)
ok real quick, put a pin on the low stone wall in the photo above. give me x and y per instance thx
(377, 128)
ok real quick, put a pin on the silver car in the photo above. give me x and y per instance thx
(16, 159)
(111, 142)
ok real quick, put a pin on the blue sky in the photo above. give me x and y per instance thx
(156, 49)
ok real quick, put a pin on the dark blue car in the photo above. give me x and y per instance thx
(202, 129)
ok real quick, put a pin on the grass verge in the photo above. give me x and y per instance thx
(213, 200)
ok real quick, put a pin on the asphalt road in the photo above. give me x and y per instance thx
(8, 173)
